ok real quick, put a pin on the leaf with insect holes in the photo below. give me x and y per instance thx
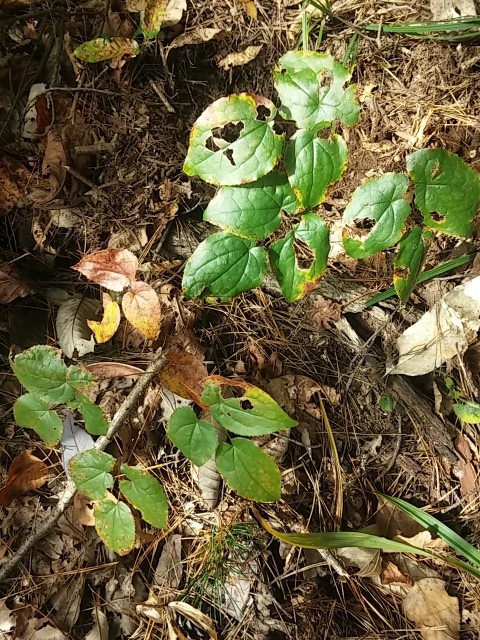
(43, 373)
(447, 191)
(115, 525)
(106, 49)
(411, 254)
(311, 88)
(146, 494)
(313, 164)
(107, 328)
(196, 439)
(233, 141)
(90, 470)
(468, 412)
(252, 210)
(141, 307)
(254, 414)
(285, 257)
(26, 473)
(95, 420)
(223, 266)
(248, 470)
(113, 269)
(184, 374)
(31, 412)
(381, 205)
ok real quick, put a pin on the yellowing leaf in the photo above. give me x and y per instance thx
(184, 375)
(240, 58)
(432, 610)
(250, 8)
(142, 309)
(106, 329)
(105, 49)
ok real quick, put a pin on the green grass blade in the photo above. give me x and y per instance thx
(417, 28)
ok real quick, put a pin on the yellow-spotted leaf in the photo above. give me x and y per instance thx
(142, 309)
(106, 49)
(107, 328)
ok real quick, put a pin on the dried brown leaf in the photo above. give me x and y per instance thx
(197, 36)
(393, 522)
(54, 161)
(391, 574)
(13, 181)
(466, 471)
(184, 375)
(109, 370)
(322, 313)
(26, 473)
(239, 58)
(142, 309)
(12, 286)
(432, 610)
(250, 8)
(113, 269)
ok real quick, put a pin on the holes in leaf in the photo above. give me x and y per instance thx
(436, 169)
(360, 227)
(230, 132)
(303, 253)
(437, 217)
(228, 153)
(246, 405)
(211, 145)
(324, 78)
(403, 273)
(263, 113)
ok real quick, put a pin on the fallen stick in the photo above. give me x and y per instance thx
(70, 489)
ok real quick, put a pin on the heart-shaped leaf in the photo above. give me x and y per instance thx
(33, 413)
(248, 470)
(90, 470)
(223, 266)
(113, 269)
(107, 328)
(196, 439)
(409, 261)
(375, 217)
(311, 88)
(115, 525)
(252, 210)
(106, 48)
(468, 411)
(299, 259)
(447, 191)
(43, 373)
(313, 164)
(254, 414)
(146, 494)
(142, 309)
(95, 420)
(233, 141)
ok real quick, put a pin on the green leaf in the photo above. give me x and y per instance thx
(252, 210)
(233, 141)
(115, 525)
(248, 470)
(106, 48)
(223, 266)
(311, 88)
(467, 411)
(409, 261)
(299, 259)
(146, 494)
(33, 413)
(387, 403)
(153, 17)
(95, 420)
(90, 470)
(42, 372)
(196, 439)
(447, 191)
(375, 217)
(254, 414)
(313, 164)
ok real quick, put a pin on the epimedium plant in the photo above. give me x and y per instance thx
(264, 180)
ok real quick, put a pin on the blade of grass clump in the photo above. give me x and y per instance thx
(350, 57)
(305, 29)
(468, 28)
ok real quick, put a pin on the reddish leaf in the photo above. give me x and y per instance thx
(109, 370)
(11, 285)
(184, 375)
(142, 309)
(114, 269)
(26, 473)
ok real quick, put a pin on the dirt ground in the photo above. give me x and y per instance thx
(127, 189)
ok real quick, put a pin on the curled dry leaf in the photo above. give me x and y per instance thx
(12, 286)
(27, 472)
(53, 165)
(169, 571)
(197, 36)
(206, 477)
(239, 58)
(184, 375)
(109, 370)
(13, 181)
(195, 616)
(107, 328)
(432, 610)
(142, 309)
(113, 269)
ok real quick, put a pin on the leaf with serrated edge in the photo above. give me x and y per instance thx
(409, 261)
(447, 188)
(74, 336)
(311, 88)
(313, 165)
(381, 203)
(295, 282)
(90, 470)
(142, 309)
(146, 494)
(115, 525)
(196, 439)
(107, 328)
(254, 414)
(106, 49)
(223, 266)
(42, 372)
(255, 148)
(248, 470)
(252, 210)
(33, 413)
(95, 420)
(113, 269)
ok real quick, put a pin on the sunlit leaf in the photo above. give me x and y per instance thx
(107, 328)
(146, 494)
(468, 411)
(141, 307)
(106, 48)
(33, 413)
(115, 525)
(90, 470)
(113, 269)
(409, 261)
(196, 439)
(184, 374)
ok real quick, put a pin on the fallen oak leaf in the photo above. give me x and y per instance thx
(107, 328)
(113, 269)
(27, 472)
(11, 285)
(142, 309)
